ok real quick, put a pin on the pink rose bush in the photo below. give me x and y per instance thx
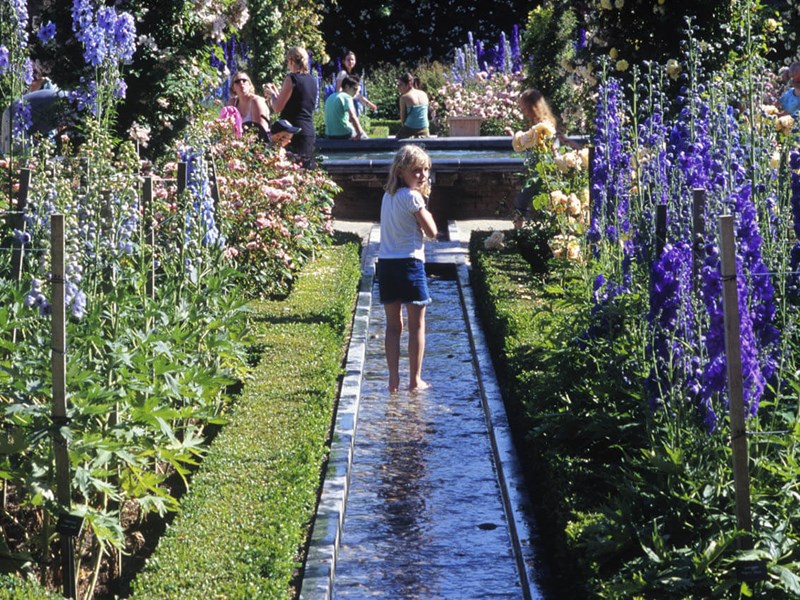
(491, 96)
(272, 214)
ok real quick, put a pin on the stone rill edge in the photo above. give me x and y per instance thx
(320, 568)
(320, 565)
(516, 502)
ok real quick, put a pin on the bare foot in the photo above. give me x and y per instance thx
(420, 385)
(394, 385)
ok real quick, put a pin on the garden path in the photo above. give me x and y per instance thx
(423, 497)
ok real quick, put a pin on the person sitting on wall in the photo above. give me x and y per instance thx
(413, 108)
(341, 120)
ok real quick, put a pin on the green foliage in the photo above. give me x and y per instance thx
(276, 25)
(635, 504)
(249, 507)
(549, 41)
(17, 588)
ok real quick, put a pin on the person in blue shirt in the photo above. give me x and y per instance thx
(341, 120)
(790, 100)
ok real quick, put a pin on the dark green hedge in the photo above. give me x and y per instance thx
(245, 519)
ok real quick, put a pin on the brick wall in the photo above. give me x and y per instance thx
(454, 195)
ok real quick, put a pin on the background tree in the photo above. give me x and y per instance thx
(394, 32)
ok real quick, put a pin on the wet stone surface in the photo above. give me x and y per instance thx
(424, 515)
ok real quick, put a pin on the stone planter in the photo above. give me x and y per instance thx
(465, 126)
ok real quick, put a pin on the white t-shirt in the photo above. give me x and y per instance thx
(401, 235)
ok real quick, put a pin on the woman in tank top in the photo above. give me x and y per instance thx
(413, 108)
(252, 107)
(295, 102)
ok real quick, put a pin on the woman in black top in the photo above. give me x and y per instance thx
(296, 101)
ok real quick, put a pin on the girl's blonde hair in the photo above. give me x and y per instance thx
(408, 156)
(299, 56)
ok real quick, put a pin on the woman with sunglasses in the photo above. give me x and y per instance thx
(252, 107)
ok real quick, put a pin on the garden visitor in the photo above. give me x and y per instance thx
(405, 221)
(295, 102)
(348, 64)
(341, 120)
(413, 108)
(790, 100)
(281, 133)
(537, 113)
(252, 107)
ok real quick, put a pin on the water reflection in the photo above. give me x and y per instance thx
(403, 489)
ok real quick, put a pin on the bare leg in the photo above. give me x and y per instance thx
(391, 342)
(416, 346)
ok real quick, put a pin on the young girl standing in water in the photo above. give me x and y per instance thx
(405, 221)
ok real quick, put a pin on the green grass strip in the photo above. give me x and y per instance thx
(247, 513)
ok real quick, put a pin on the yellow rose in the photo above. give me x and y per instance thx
(770, 110)
(583, 153)
(618, 4)
(574, 208)
(622, 65)
(673, 69)
(558, 201)
(775, 160)
(613, 53)
(606, 4)
(784, 124)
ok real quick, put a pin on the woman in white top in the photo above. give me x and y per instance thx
(252, 107)
(348, 64)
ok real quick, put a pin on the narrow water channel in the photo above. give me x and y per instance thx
(424, 515)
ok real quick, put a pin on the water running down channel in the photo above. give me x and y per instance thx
(424, 516)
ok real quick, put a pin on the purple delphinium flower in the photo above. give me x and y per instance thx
(5, 60)
(120, 89)
(22, 237)
(674, 364)
(47, 32)
(35, 298)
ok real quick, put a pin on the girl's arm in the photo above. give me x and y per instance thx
(279, 101)
(426, 223)
(370, 105)
(402, 110)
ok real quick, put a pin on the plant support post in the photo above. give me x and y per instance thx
(733, 354)
(59, 408)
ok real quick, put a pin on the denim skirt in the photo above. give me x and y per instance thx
(403, 280)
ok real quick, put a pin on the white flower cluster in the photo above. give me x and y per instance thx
(218, 16)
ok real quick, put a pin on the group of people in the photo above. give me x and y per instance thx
(341, 114)
(294, 104)
(295, 101)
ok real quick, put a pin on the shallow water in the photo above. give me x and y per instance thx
(424, 514)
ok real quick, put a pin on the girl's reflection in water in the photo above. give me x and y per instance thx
(403, 489)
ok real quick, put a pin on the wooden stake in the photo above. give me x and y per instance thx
(733, 354)
(59, 407)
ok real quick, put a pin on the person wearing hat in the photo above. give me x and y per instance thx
(281, 132)
(341, 120)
